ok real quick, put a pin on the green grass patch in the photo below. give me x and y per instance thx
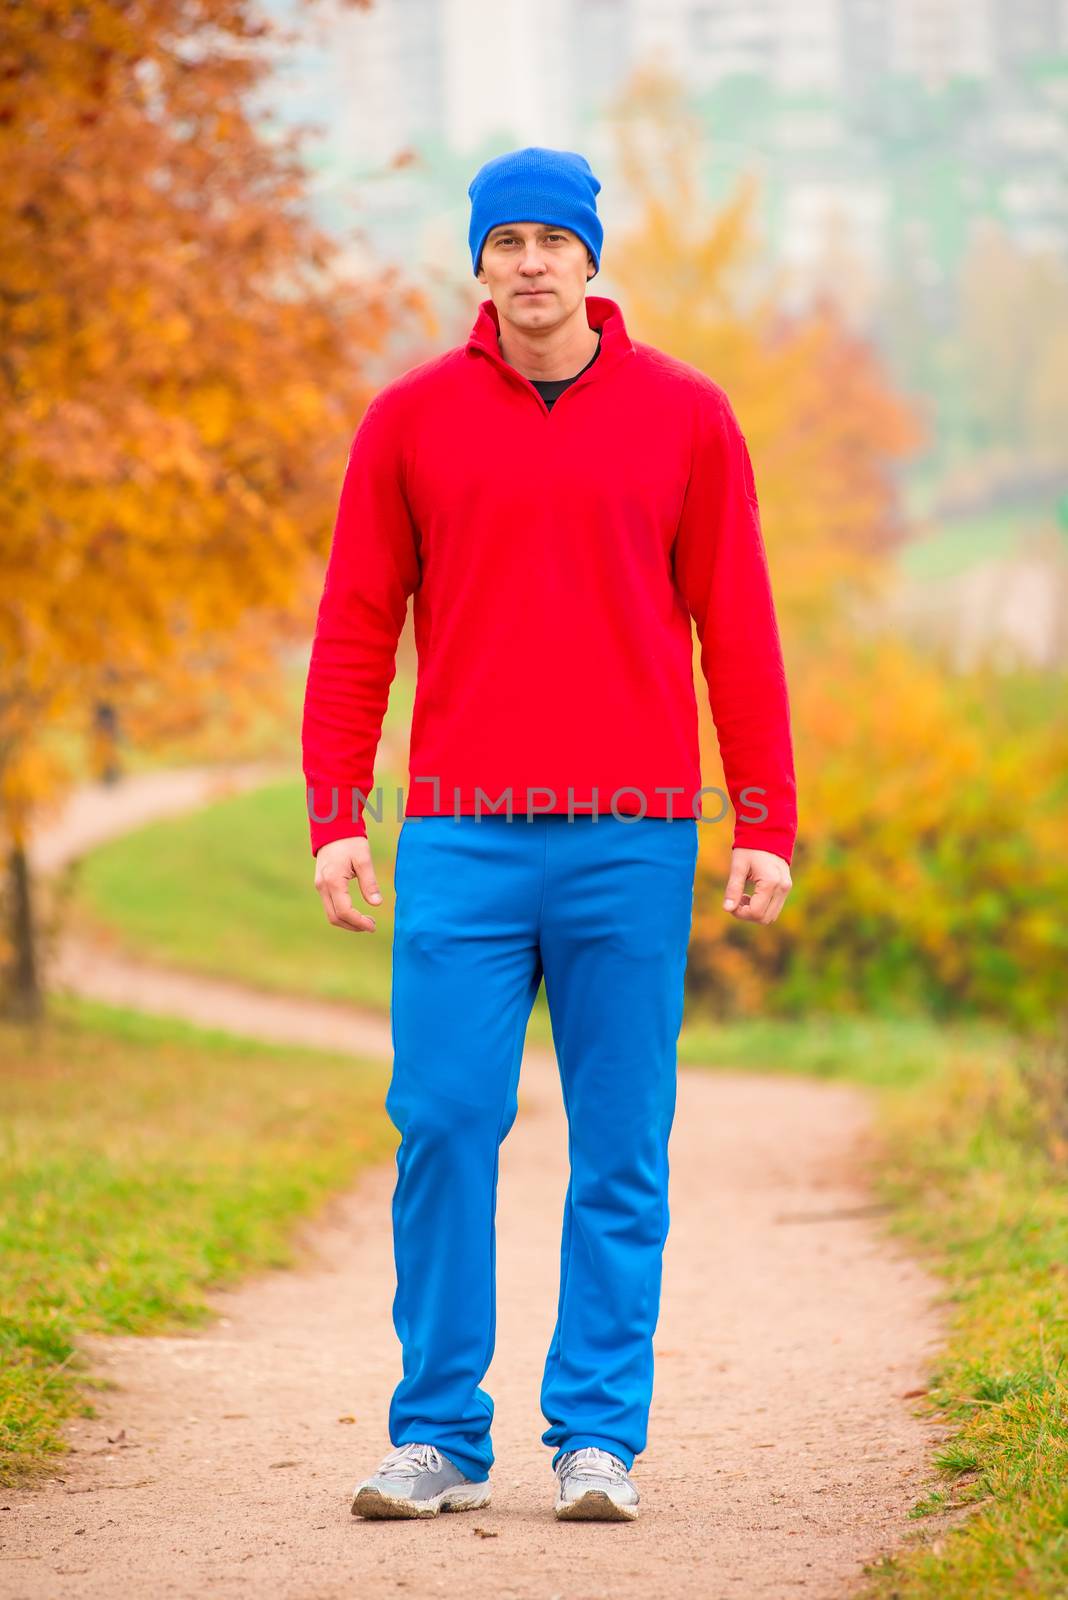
(974, 1131)
(143, 1162)
(961, 543)
(229, 891)
(879, 1053)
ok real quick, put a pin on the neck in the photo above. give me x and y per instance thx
(546, 354)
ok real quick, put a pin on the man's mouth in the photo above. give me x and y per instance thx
(523, 293)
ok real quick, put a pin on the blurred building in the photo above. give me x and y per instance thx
(881, 128)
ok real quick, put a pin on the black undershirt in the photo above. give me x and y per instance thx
(551, 389)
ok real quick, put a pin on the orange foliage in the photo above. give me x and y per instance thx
(181, 375)
(930, 871)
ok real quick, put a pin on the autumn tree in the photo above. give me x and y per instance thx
(181, 362)
(928, 874)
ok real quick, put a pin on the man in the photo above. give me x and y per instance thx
(561, 500)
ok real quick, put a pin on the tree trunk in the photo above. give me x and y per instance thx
(23, 999)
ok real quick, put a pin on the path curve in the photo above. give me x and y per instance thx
(783, 1450)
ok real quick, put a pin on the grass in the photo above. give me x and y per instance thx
(961, 543)
(253, 915)
(874, 1052)
(229, 891)
(981, 1177)
(144, 1161)
(974, 1161)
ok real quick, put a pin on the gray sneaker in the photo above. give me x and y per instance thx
(416, 1480)
(592, 1486)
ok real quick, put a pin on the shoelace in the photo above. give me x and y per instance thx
(592, 1462)
(409, 1460)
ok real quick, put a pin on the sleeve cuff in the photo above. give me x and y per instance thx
(751, 836)
(339, 823)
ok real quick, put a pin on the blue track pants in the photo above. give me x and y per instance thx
(485, 907)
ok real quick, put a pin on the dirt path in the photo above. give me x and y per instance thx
(782, 1453)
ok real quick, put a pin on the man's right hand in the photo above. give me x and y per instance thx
(335, 864)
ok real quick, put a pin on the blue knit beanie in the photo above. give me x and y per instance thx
(535, 185)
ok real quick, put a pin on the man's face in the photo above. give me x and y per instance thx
(536, 272)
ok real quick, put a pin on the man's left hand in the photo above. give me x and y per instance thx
(772, 883)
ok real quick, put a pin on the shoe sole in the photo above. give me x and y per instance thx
(371, 1502)
(594, 1506)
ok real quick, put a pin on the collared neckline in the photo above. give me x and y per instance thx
(601, 312)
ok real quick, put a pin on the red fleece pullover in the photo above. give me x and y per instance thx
(556, 558)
